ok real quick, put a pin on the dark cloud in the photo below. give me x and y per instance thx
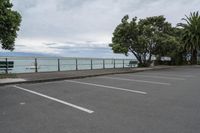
(19, 45)
(71, 4)
(75, 48)
(50, 44)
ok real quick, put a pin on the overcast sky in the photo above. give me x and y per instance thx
(84, 27)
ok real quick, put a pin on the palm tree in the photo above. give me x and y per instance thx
(191, 34)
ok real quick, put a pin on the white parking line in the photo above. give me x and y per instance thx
(141, 81)
(55, 99)
(104, 86)
(160, 77)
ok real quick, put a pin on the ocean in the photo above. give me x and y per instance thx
(48, 64)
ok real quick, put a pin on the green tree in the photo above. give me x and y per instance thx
(9, 24)
(172, 46)
(177, 52)
(143, 38)
(191, 34)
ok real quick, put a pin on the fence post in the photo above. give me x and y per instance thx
(114, 62)
(91, 64)
(76, 64)
(103, 63)
(36, 65)
(131, 64)
(59, 65)
(6, 65)
(123, 63)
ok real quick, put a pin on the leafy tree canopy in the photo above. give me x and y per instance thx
(144, 38)
(9, 24)
(191, 34)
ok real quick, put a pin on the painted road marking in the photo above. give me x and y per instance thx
(160, 77)
(55, 99)
(104, 86)
(141, 81)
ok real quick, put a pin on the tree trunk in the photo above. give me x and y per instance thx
(149, 60)
(137, 56)
(194, 57)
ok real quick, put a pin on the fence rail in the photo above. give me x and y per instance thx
(48, 64)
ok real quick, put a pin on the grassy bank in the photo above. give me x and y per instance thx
(2, 76)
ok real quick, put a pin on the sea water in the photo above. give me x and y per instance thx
(27, 65)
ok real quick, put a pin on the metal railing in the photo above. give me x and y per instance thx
(50, 64)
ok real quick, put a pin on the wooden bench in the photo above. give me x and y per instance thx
(6, 65)
(132, 63)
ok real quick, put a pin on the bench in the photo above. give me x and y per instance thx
(6, 65)
(133, 63)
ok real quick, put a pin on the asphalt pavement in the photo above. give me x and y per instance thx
(159, 101)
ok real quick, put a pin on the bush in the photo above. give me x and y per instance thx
(2, 76)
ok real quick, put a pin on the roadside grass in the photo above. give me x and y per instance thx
(2, 76)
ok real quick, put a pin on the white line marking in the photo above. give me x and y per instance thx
(151, 76)
(104, 86)
(141, 81)
(55, 99)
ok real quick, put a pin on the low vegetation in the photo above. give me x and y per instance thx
(2, 76)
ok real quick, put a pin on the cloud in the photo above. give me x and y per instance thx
(50, 25)
(50, 43)
(38, 46)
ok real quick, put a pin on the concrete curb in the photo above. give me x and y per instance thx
(79, 77)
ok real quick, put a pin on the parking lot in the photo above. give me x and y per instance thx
(161, 101)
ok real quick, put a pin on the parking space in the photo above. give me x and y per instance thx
(164, 101)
